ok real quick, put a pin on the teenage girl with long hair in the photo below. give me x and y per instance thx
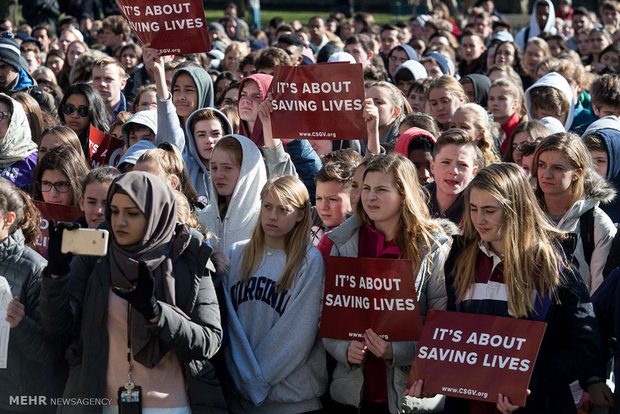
(58, 176)
(80, 107)
(273, 299)
(473, 119)
(568, 187)
(511, 261)
(445, 96)
(507, 104)
(393, 108)
(56, 136)
(392, 222)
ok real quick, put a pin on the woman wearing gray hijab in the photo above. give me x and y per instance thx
(151, 294)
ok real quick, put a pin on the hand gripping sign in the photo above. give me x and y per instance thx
(323, 102)
(173, 27)
(476, 357)
(362, 293)
(104, 148)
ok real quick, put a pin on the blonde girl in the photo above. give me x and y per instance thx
(273, 298)
(473, 119)
(568, 187)
(393, 108)
(509, 262)
(166, 162)
(501, 71)
(186, 215)
(506, 103)
(445, 96)
(391, 222)
(535, 51)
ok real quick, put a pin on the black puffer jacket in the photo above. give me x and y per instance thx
(29, 349)
(82, 297)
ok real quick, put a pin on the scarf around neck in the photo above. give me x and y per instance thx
(156, 201)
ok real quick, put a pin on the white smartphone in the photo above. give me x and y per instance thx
(87, 242)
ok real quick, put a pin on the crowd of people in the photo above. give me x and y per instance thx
(488, 161)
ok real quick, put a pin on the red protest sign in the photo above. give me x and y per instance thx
(318, 102)
(362, 293)
(475, 356)
(56, 212)
(104, 149)
(173, 27)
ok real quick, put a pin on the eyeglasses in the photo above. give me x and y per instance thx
(60, 186)
(4, 115)
(68, 109)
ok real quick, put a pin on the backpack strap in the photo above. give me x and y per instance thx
(526, 37)
(586, 231)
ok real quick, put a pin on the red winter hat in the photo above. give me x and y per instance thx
(402, 144)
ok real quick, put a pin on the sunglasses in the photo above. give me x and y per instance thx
(82, 111)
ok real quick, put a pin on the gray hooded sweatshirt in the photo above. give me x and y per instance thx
(244, 207)
(198, 171)
(275, 359)
(170, 128)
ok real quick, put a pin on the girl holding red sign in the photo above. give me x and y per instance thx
(511, 262)
(391, 222)
(273, 299)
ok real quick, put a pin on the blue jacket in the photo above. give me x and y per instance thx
(306, 162)
(23, 81)
(583, 115)
(608, 129)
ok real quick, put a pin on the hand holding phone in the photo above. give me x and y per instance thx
(57, 261)
(88, 242)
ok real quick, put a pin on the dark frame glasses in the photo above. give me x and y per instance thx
(60, 186)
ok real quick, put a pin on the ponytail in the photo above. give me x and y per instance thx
(31, 221)
(27, 216)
